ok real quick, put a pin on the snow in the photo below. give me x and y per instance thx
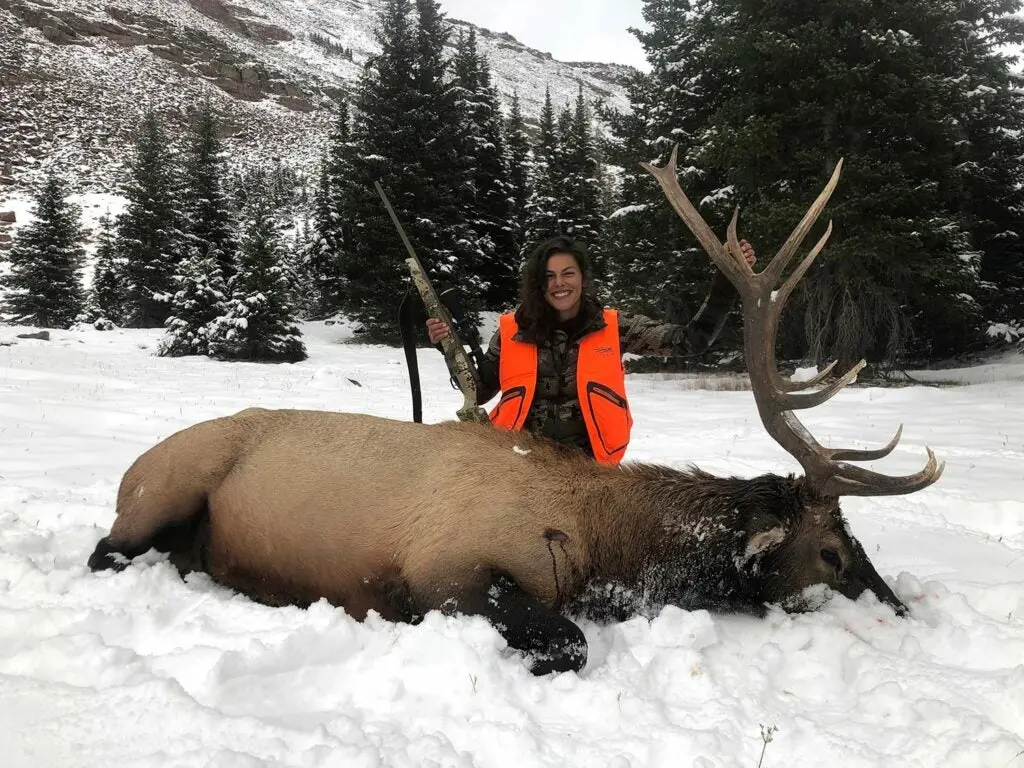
(92, 206)
(1005, 331)
(804, 374)
(141, 668)
(718, 195)
(628, 210)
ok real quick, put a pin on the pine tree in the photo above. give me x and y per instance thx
(207, 224)
(411, 137)
(386, 146)
(258, 323)
(652, 263)
(764, 99)
(900, 272)
(490, 213)
(989, 161)
(332, 227)
(199, 300)
(519, 162)
(105, 298)
(149, 236)
(542, 209)
(44, 284)
(580, 206)
(285, 187)
(441, 193)
(295, 250)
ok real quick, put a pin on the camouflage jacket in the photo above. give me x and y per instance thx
(555, 412)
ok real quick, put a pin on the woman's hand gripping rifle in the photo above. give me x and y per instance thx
(455, 355)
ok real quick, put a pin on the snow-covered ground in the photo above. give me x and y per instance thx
(143, 669)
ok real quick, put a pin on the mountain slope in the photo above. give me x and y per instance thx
(75, 77)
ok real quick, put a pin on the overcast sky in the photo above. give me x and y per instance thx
(570, 30)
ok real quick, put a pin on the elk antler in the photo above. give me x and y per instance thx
(826, 468)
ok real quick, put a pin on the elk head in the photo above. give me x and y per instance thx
(805, 540)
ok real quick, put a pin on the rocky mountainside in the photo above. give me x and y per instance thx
(76, 75)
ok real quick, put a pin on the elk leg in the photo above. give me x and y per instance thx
(185, 538)
(551, 641)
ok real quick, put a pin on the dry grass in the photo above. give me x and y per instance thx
(715, 382)
(767, 734)
(740, 382)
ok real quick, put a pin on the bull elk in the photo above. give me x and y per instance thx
(290, 506)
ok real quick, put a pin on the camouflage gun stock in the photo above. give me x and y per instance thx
(455, 355)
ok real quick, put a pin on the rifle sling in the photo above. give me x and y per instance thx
(409, 312)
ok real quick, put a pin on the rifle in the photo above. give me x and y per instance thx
(455, 356)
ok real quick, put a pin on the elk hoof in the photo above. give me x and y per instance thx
(105, 557)
(564, 654)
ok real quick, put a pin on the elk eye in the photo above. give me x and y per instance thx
(832, 559)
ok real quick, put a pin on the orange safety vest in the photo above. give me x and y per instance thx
(600, 383)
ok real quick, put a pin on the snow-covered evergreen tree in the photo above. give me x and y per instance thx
(519, 161)
(44, 285)
(989, 162)
(324, 255)
(295, 249)
(386, 150)
(489, 209)
(765, 98)
(580, 212)
(106, 296)
(652, 263)
(542, 208)
(149, 236)
(450, 246)
(207, 218)
(199, 300)
(565, 197)
(901, 272)
(410, 136)
(258, 323)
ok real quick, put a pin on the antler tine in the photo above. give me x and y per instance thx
(849, 480)
(782, 296)
(779, 300)
(787, 385)
(856, 454)
(778, 265)
(796, 402)
(667, 178)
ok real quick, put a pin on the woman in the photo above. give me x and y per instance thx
(557, 360)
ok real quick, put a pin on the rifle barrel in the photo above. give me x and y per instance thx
(398, 224)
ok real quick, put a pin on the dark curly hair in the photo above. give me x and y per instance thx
(535, 317)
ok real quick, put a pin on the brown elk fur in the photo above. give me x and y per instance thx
(304, 504)
(401, 518)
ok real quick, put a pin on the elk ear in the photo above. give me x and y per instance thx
(766, 531)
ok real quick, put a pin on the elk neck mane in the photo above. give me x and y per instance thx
(637, 512)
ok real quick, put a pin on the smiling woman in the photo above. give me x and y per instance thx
(564, 285)
(600, 27)
(557, 360)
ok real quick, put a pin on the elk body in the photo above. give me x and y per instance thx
(402, 518)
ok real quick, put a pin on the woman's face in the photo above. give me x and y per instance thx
(564, 289)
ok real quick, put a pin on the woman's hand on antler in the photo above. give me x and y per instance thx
(748, 252)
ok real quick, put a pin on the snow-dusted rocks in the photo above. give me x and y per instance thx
(75, 76)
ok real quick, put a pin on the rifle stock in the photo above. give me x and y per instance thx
(455, 355)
